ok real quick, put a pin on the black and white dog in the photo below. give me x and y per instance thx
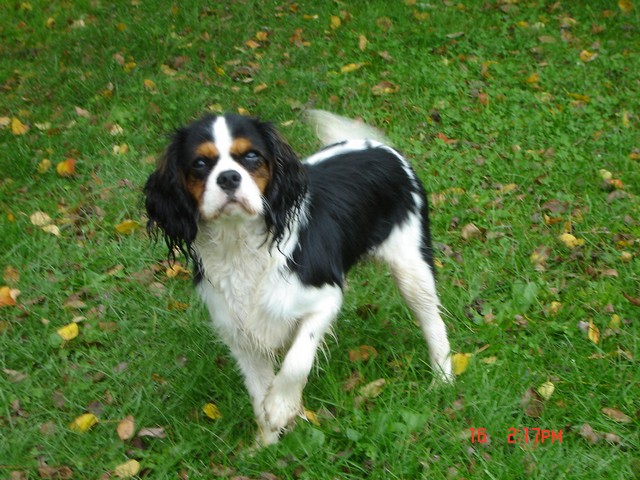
(272, 239)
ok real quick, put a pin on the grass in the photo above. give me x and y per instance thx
(508, 110)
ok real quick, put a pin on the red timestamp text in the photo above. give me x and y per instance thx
(520, 435)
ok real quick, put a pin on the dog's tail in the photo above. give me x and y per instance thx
(331, 128)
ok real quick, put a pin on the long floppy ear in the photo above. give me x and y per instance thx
(287, 186)
(172, 212)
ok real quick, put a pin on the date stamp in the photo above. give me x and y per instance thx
(522, 435)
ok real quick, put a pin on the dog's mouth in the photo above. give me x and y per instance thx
(235, 206)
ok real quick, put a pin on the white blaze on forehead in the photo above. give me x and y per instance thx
(222, 136)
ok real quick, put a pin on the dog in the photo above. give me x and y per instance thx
(272, 239)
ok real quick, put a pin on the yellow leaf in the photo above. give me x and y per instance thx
(625, 5)
(587, 56)
(83, 422)
(212, 411)
(150, 85)
(130, 66)
(40, 219)
(69, 332)
(489, 360)
(66, 168)
(260, 88)
(126, 428)
(167, 70)
(44, 165)
(262, 36)
(351, 67)
(362, 43)
(593, 332)
(533, 78)
(335, 22)
(219, 71)
(615, 322)
(17, 127)
(312, 417)
(571, 241)
(554, 308)
(177, 269)
(8, 296)
(625, 119)
(546, 390)
(460, 362)
(128, 469)
(52, 229)
(252, 44)
(127, 227)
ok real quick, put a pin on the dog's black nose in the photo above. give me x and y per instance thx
(229, 180)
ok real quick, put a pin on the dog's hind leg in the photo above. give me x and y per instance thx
(404, 252)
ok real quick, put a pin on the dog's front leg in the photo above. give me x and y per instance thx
(284, 398)
(258, 372)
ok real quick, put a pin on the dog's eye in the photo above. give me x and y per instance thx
(199, 164)
(252, 159)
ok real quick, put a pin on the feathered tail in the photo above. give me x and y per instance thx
(331, 128)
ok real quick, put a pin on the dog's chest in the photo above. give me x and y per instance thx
(247, 288)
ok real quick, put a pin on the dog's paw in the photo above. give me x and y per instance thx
(280, 412)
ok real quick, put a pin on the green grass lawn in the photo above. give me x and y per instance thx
(522, 119)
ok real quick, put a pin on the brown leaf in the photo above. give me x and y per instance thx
(385, 88)
(14, 375)
(126, 428)
(373, 389)
(532, 404)
(470, 231)
(154, 432)
(635, 301)
(362, 353)
(589, 434)
(617, 415)
(45, 471)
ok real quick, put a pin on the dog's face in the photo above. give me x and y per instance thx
(227, 167)
(220, 168)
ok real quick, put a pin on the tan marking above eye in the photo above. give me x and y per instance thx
(240, 146)
(208, 150)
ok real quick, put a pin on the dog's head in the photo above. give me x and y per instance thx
(223, 168)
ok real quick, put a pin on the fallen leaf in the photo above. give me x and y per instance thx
(44, 165)
(587, 56)
(617, 415)
(212, 411)
(546, 390)
(127, 227)
(83, 423)
(335, 22)
(14, 375)
(351, 67)
(533, 78)
(589, 434)
(385, 88)
(570, 240)
(149, 85)
(260, 88)
(52, 229)
(126, 428)
(66, 168)
(8, 296)
(593, 332)
(625, 5)
(252, 44)
(81, 112)
(58, 473)
(362, 43)
(470, 231)
(40, 219)
(311, 417)
(69, 331)
(154, 432)
(532, 404)
(633, 300)
(176, 269)
(373, 389)
(362, 353)
(460, 362)
(128, 469)
(17, 127)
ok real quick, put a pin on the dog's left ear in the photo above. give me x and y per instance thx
(287, 186)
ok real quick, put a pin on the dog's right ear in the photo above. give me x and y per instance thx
(172, 212)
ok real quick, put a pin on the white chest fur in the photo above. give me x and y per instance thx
(254, 300)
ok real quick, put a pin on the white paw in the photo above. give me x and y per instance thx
(443, 372)
(280, 411)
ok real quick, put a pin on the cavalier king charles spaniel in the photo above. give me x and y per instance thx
(272, 239)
